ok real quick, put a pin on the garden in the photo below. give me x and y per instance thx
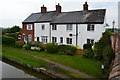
(89, 62)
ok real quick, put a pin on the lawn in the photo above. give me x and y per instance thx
(80, 63)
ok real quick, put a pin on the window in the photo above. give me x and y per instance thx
(37, 38)
(43, 27)
(54, 27)
(29, 37)
(19, 36)
(69, 40)
(61, 39)
(69, 27)
(90, 41)
(54, 39)
(44, 39)
(90, 27)
(29, 27)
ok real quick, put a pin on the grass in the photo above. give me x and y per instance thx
(80, 63)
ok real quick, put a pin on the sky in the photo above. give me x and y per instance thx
(14, 12)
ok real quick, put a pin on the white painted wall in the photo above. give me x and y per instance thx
(61, 31)
(39, 32)
(83, 34)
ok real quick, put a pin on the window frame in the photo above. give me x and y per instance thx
(29, 37)
(69, 27)
(44, 39)
(54, 39)
(54, 27)
(91, 41)
(69, 40)
(43, 26)
(90, 27)
(29, 26)
(61, 39)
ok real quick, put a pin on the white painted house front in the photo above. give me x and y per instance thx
(72, 28)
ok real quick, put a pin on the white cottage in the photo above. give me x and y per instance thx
(71, 28)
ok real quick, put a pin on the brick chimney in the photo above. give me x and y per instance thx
(43, 9)
(58, 8)
(85, 6)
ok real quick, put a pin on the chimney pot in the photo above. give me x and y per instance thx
(43, 9)
(85, 6)
(58, 8)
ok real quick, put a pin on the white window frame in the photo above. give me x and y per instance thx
(54, 39)
(69, 27)
(44, 39)
(29, 37)
(43, 26)
(90, 27)
(61, 39)
(29, 26)
(91, 41)
(54, 27)
(69, 40)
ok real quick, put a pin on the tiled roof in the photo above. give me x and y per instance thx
(80, 17)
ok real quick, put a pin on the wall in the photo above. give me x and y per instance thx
(39, 32)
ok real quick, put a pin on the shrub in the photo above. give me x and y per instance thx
(103, 50)
(87, 46)
(67, 49)
(38, 44)
(52, 47)
(27, 46)
(19, 44)
(8, 40)
(89, 53)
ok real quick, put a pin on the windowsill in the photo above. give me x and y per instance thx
(29, 29)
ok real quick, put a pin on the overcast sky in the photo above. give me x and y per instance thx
(13, 12)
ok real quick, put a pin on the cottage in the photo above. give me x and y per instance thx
(71, 28)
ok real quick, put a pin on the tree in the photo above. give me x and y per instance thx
(15, 29)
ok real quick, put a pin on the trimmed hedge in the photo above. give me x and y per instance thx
(8, 40)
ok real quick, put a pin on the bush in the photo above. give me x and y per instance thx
(52, 47)
(67, 49)
(89, 53)
(87, 46)
(8, 40)
(19, 44)
(38, 44)
(27, 46)
(103, 50)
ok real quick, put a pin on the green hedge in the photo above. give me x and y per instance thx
(52, 47)
(67, 49)
(19, 44)
(8, 40)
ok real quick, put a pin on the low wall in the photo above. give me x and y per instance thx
(115, 72)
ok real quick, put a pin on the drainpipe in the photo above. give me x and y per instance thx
(76, 34)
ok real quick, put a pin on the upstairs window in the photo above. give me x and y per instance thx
(29, 27)
(43, 27)
(54, 39)
(91, 41)
(54, 27)
(90, 27)
(69, 27)
(69, 40)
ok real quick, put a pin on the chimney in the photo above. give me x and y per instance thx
(58, 8)
(85, 6)
(43, 9)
